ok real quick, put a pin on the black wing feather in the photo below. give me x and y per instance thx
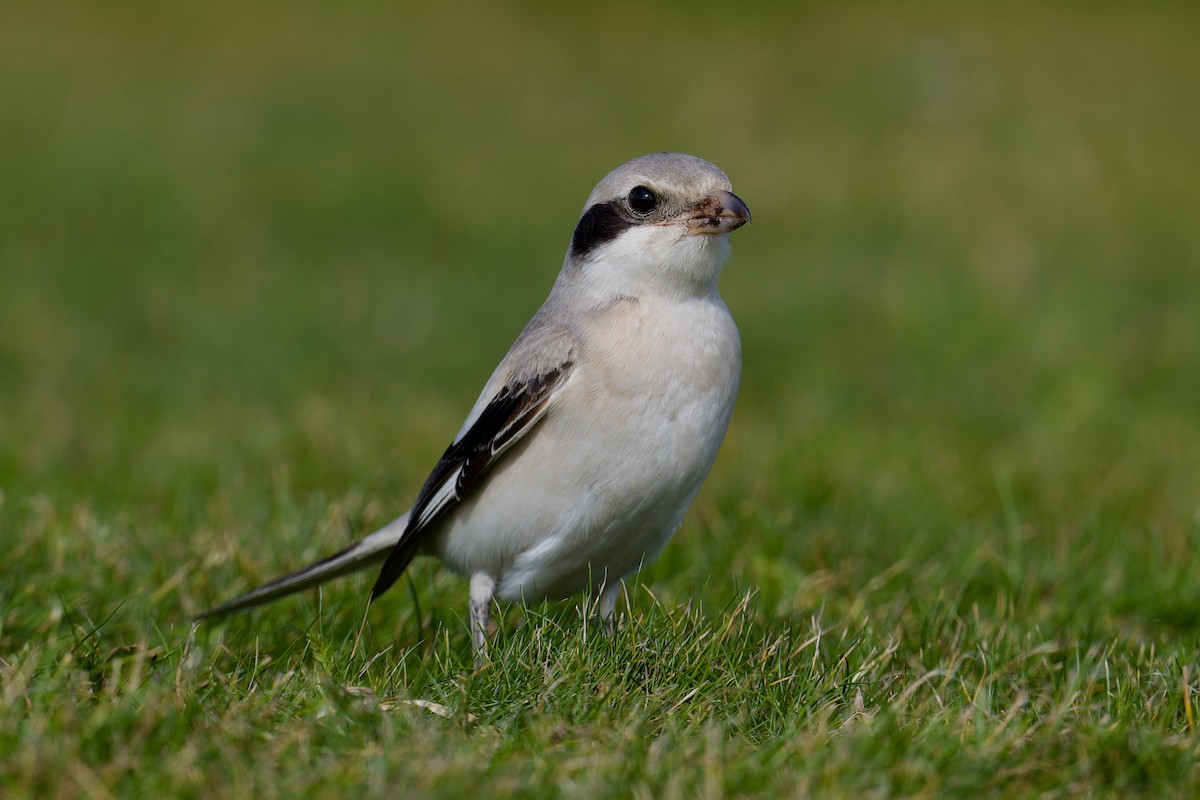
(505, 419)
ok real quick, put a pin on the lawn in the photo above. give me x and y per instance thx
(256, 263)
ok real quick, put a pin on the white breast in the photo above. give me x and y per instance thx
(597, 489)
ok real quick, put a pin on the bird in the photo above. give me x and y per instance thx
(594, 434)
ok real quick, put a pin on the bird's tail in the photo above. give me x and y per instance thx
(362, 554)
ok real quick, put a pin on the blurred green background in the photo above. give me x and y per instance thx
(256, 262)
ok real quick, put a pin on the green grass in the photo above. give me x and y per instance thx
(255, 265)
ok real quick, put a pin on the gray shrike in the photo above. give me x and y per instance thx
(594, 434)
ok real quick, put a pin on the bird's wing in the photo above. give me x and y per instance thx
(522, 390)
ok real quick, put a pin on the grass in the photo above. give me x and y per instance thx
(255, 264)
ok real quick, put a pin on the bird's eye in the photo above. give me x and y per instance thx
(642, 200)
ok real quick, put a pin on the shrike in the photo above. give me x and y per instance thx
(594, 434)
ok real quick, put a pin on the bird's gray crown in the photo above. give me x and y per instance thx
(680, 172)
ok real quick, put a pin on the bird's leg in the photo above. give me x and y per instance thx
(608, 605)
(482, 588)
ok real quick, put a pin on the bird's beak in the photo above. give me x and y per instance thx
(719, 212)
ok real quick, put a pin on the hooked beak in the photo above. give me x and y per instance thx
(719, 212)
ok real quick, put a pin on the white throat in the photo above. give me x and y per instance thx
(654, 260)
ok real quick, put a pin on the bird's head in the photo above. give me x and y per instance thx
(658, 223)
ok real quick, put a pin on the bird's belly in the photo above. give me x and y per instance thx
(593, 494)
